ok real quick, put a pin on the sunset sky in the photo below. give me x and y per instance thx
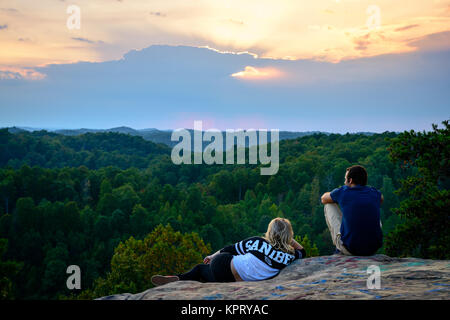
(287, 64)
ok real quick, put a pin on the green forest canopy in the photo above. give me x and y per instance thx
(88, 199)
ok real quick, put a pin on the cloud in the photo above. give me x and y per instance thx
(157, 13)
(325, 27)
(12, 10)
(278, 29)
(432, 42)
(236, 22)
(407, 27)
(150, 87)
(254, 55)
(362, 42)
(87, 40)
(253, 73)
(16, 73)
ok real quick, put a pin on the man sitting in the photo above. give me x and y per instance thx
(356, 230)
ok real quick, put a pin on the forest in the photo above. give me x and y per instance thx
(115, 205)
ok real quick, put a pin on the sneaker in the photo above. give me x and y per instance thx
(160, 280)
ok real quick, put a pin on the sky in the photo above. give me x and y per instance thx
(328, 65)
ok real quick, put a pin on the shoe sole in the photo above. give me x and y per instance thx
(161, 280)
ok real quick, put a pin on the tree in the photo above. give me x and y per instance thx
(107, 204)
(221, 186)
(141, 222)
(163, 251)
(25, 210)
(212, 235)
(56, 207)
(276, 185)
(105, 187)
(390, 198)
(310, 249)
(119, 223)
(126, 198)
(425, 232)
(71, 217)
(7, 190)
(56, 263)
(8, 269)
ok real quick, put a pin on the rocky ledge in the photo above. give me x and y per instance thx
(326, 277)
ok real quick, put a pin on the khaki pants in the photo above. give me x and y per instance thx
(333, 217)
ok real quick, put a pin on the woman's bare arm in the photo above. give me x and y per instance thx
(296, 245)
(208, 259)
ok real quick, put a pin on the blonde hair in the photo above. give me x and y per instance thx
(279, 234)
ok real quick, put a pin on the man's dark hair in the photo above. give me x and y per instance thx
(358, 174)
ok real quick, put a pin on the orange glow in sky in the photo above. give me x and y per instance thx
(34, 33)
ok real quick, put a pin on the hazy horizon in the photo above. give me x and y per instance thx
(171, 129)
(332, 66)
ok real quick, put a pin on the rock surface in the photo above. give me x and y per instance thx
(326, 277)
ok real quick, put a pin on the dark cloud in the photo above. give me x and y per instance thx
(433, 42)
(362, 42)
(158, 14)
(407, 27)
(87, 40)
(9, 10)
(361, 45)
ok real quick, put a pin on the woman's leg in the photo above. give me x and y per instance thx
(219, 270)
(201, 272)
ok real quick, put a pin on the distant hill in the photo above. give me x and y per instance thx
(91, 149)
(152, 134)
(17, 130)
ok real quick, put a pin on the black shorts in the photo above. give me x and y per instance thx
(221, 268)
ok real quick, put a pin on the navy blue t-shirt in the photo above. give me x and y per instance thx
(360, 229)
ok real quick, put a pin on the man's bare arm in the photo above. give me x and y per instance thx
(382, 198)
(326, 198)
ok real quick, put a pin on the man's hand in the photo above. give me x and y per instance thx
(326, 198)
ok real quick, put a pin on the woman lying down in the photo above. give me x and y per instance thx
(252, 259)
